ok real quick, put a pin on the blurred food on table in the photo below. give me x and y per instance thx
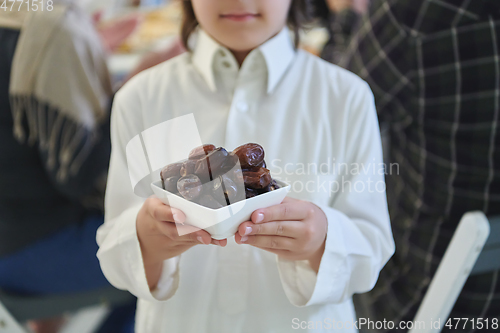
(156, 25)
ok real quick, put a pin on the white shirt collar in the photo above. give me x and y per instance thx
(278, 53)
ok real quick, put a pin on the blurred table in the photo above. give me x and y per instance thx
(121, 64)
(157, 31)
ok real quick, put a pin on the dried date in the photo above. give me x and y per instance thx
(189, 187)
(236, 175)
(273, 186)
(200, 152)
(171, 170)
(250, 155)
(210, 176)
(170, 184)
(256, 168)
(259, 179)
(250, 193)
(187, 168)
(215, 164)
(226, 190)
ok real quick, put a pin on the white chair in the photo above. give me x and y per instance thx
(474, 248)
(7, 323)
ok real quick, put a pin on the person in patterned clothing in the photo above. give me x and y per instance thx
(340, 19)
(434, 68)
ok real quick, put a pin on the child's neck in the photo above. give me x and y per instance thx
(240, 56)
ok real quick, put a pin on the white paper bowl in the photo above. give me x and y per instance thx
(223, 222)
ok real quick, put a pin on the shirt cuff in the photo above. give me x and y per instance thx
(302, 286)
(169, 280)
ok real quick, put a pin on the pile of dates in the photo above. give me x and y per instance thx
(212, 177)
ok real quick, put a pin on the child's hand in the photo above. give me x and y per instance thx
(159, 239)
(294, 230)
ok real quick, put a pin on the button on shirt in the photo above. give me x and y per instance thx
(309, 116)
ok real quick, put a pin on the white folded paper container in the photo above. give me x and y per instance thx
(223, 222)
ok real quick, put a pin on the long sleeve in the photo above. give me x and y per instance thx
(359, 239)
(119, 250)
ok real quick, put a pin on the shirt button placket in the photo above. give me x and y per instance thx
(232, 280)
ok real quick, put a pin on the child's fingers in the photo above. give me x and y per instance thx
(222, 242)
(168, 221)
(187, 229)
(161, 212)
(189, 234)
(287, 211)
(168, 229)
(186, 233)
(285, 254)
(291, 229)
(270, 242)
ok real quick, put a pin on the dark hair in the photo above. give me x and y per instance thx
(298, 16)
(320, 11)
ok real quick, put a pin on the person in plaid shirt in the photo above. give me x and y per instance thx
(340, 18)
(434, 68)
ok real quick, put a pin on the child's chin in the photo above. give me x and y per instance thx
(244, 41)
